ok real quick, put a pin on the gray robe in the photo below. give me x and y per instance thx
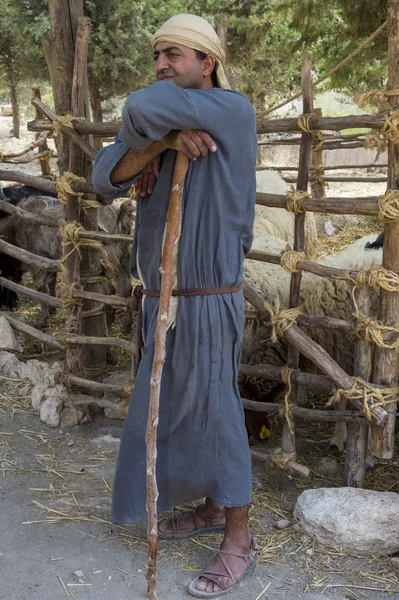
(202, 441)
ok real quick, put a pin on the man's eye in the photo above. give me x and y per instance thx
(173, 54)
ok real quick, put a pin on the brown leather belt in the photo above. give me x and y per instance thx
(138, 294)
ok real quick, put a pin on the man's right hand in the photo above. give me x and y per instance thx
(192, 142)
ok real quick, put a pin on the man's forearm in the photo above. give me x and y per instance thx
(133, 162)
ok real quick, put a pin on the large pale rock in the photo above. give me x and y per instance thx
(361, 522)
(35, 371)
(8, 338)
(50, 411)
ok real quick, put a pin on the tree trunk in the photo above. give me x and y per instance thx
(14, 102)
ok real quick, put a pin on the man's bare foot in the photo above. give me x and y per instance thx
(229, 564)
(207, 516)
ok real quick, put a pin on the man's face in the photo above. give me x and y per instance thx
(178, 64)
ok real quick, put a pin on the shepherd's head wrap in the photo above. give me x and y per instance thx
(196, 33)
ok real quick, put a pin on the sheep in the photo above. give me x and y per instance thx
(11, 268)
(277, 221)
(46, 242)
(319, 296)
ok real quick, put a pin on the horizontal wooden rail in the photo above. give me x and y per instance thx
(82, 340)
(323, 416)
(95, 385)
(116, 301)
(305, 265)
(272, 373)
(47, 264)
(24, 291)
(340, 206)
(322, 123)
(106, 238)
(329, 168)
(354, 179)
(49, 186)
(314, 321)
(112, 128)
(48, 340)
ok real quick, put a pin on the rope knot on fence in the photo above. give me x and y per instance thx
(391, 126)
(289, 260)
(388, 206)
(369, 396)
(318, 172)
(64, 189)
(379, 98)
(294, 201)
(371, 330)
(383, 278)
(281, 319)
(303, 124)
(61, 121)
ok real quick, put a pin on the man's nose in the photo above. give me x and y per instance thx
(162, 63)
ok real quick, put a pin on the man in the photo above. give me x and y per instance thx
(202, 442)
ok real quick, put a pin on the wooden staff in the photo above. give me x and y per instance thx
(171, 236)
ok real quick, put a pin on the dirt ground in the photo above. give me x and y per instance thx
(55, 496)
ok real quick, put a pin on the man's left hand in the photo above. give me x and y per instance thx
(144, 184)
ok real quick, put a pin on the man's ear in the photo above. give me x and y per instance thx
(208, 65)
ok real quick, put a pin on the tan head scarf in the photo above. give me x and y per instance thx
(196, 33)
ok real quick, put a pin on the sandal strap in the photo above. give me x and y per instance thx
(209, 521)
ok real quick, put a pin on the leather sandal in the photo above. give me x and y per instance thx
(250, 558)
(202, 524)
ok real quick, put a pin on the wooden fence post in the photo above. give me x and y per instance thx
(43, 147)
(386, 364)
(357, 433)
(316, 161)
(288, 437)
(95, 356)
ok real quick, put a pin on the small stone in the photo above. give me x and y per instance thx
(139, 571)
(310, 551)
(79, 574)
(297, 527)
(71, 443)
(282, 524)
(395, 561)
(61, 432)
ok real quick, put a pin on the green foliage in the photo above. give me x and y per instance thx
(265, 42)
(333, 31)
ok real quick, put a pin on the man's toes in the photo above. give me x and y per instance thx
(204, 585)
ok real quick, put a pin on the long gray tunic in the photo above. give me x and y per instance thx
(202, 441)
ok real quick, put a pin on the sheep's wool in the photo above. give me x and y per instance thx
(196, 33)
